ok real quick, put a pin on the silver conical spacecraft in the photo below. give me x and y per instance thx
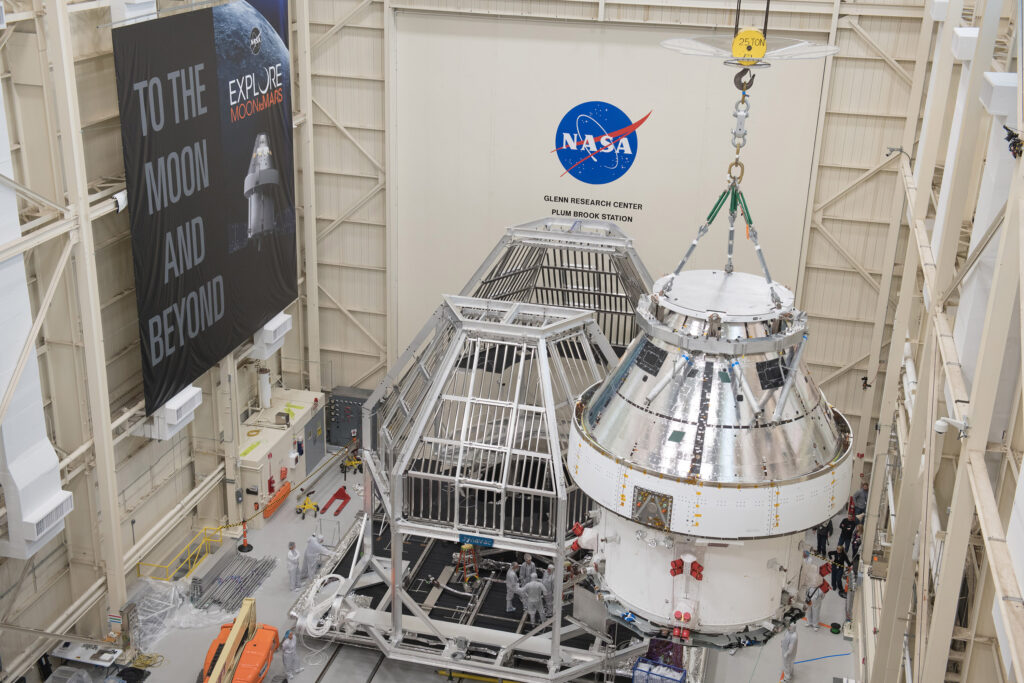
(710, 451)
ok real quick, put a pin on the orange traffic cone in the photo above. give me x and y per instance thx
(245, 547)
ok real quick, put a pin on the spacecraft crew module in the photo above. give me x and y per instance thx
(710, 451)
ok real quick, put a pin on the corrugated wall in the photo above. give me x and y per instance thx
(347, 66)
(845, 258)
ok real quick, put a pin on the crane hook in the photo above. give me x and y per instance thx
(739, 80)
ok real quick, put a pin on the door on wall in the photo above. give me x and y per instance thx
(315, 440)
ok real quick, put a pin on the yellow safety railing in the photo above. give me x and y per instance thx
(188, 558)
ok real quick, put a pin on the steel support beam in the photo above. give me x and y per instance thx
(71, 616)
(561, 523)
(881, 315)
(59, 45)
(839, 372)
(1001, 302)
(56, 636)
(307, 155)
(30, 342)
(973, 257)
(37, 237)
(844, 252)
(933, 126)
(348, 314)
(344, 131)
(1007, 592)
(809, 210)
(29, 194)
(851, 23)
(859, 180)
(899, 588)
(173, 517)
(957, 174)
(916, 205)
(321, 39)
(360, 203)
(397, 574)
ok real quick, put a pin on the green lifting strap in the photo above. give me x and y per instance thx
(746, 211)
(717, 207)
(733, 198)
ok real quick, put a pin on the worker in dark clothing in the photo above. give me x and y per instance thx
(824, 532)
(839, 561)
(855, 545)
(860, 501)
(846, 528)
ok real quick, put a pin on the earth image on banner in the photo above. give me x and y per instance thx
(596, 142)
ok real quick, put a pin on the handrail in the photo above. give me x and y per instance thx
(189, 557)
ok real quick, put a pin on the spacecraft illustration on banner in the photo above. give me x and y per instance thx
(261, 185)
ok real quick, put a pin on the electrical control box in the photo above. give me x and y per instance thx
(345, 415)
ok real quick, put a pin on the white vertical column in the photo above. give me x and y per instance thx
(999, 97)
(965, 39)
(309, 229)
(29, 469)
(59, 46)
(935, 101)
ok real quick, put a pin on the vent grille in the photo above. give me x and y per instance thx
(55, 515)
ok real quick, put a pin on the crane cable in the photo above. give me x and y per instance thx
(736, 27)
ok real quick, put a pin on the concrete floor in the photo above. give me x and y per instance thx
(822, 657)
(185, 649)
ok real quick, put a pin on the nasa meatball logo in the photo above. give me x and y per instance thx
(596, 142)
(255, 40)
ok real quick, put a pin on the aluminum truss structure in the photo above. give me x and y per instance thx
(470, 430)
(482, 453)
(580, 264)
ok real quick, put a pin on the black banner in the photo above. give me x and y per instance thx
(206, 121)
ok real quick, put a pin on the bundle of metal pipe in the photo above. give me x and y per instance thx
(239, 579)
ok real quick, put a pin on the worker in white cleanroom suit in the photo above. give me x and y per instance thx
(526, 569)
(814, 598)
(511, 586)
(533, 594)
(788, 652)
(293, 566)
(549, 583)
(314, 549)
(292, 666)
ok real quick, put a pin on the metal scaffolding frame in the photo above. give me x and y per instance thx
(469, 432)
(919, 602)
(587, 265)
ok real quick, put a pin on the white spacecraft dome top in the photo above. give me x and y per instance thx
(733, 297)
(719, 45)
